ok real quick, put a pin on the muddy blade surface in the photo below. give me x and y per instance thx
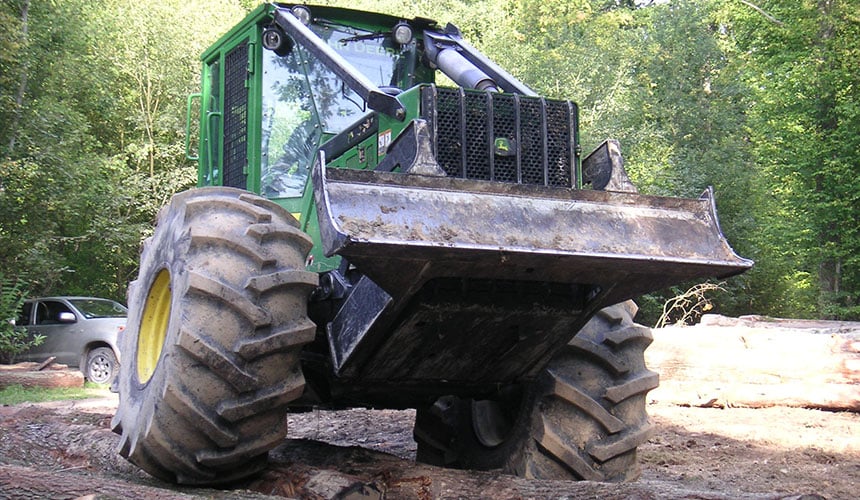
(402, 229)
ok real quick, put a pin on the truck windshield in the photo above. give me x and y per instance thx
(302, 99)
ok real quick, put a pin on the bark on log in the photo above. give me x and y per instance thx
(758, 364)
(24, 483)
(54, 376)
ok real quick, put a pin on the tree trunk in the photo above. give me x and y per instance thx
(24, 483)
(22, 82)
(829, 234)
(758, 363)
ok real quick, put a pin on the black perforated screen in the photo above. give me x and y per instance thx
(236, 117)
(502, 137)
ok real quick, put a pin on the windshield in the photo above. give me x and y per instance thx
(372, 54)
(99, 308)
(302, 99)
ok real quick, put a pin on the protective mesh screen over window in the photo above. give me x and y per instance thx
(236, 117)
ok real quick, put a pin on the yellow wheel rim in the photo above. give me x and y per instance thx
(153, 326)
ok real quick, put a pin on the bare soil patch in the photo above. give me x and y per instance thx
(66, 450)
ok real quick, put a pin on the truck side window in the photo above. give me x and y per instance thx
(24, 314)
(48, 312)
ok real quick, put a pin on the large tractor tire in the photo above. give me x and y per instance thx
(582, 419)
(217, 318)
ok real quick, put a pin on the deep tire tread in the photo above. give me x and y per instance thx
(145, 460)
(162, 445)
(586, 403)
(231, 297)
(207, 416)
(266, 232)
(583, 419)
(217, 359)
(643, 383)
(261, 401)
(269, 206)
(621, 394)
(291, 278)
(601, 353)
(204, 236)
(300, 333)
(185, 405)
(259, 214)
(605, 451)
(264, 442)
(619, 337)
(550, 441)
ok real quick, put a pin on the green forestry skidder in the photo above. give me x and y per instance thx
(362, 237)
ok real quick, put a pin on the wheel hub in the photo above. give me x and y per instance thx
(153, 326)
(493, 420)
(489, 423)
(100, 369)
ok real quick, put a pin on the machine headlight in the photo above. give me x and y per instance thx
(302, 13)
(402, 33)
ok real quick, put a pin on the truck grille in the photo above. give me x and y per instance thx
(503, 137)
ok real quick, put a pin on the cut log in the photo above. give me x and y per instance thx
(758, 363)
(26, 483)
(27, 375)
(32, 366)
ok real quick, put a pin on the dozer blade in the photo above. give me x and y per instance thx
(403, 231)
(399, 229)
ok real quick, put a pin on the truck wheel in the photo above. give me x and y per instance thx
(217, 318)
(101, 365)
(582, 419)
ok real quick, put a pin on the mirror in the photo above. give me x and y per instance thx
(67, 317)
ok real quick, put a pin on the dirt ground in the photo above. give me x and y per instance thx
(66, 450)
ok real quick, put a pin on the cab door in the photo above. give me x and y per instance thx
(58, 324)
(227, 152)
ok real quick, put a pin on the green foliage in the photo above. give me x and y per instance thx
(16, 394)
(97, 146)
(801, 66)
(759, 102)
(13, 338)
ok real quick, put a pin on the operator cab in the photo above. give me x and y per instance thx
(291, 79)
(261, 87)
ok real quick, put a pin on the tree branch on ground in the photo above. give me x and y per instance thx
(688, 307)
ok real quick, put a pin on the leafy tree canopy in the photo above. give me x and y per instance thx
(758, 98)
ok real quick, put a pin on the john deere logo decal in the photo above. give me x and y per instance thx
(504, 147)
